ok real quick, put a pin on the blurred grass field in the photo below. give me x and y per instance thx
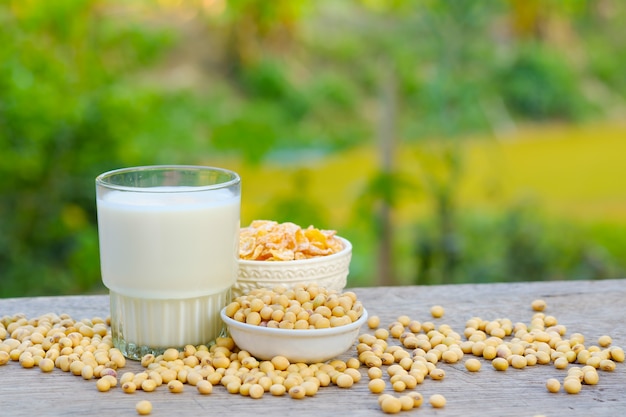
(578, 173)
(572, 172)
(572, 175)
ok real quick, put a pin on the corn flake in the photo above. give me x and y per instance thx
(267, 240)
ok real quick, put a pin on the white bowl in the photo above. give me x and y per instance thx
(308, 346)
(330, 271)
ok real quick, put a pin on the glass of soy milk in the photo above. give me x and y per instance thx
(168, 253)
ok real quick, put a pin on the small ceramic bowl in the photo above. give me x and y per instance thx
(330, 271)
(308, 346)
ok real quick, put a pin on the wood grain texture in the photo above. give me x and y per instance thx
(593, 308)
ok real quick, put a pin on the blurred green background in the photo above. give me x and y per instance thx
(450, 141)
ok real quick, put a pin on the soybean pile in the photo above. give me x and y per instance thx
(396, 358)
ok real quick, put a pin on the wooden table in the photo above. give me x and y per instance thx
(593, 308)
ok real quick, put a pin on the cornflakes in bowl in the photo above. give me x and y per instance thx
(272, 253)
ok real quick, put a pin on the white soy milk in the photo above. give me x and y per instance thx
(168, 258)
(164, 245)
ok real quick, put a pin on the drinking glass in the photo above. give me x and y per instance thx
(168, 252)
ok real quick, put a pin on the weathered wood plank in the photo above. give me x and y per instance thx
(592, 308)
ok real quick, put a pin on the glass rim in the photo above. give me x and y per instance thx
(101, 180)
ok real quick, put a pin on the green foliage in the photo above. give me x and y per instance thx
(253, 138)
(386, 187)
(66, 114)
(541, 84)
(520, 244)
(266, 80)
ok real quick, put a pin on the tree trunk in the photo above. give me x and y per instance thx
(386, 138)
